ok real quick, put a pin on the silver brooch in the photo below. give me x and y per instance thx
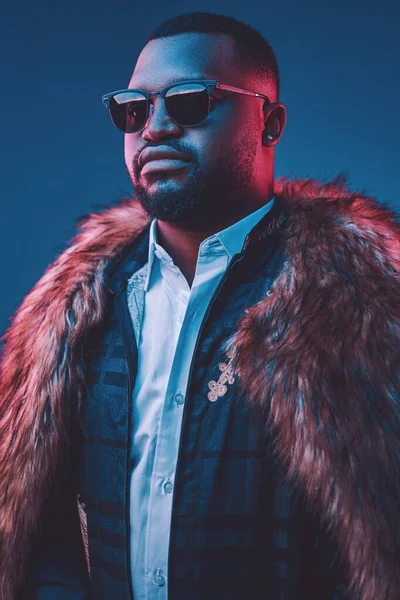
(218, 388)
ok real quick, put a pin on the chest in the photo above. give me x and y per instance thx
(106, 410)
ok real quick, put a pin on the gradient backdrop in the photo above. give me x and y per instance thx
(62, 158)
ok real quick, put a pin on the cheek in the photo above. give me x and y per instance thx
(128, 151)
(214, 141)
(130, 148)
(227, 128)
(222, 146)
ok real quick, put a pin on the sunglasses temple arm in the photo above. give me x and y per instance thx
(230, 88)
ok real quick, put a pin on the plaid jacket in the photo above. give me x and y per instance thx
(238, 532)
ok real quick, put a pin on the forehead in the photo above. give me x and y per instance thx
(184, 56)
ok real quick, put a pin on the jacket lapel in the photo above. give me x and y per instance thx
(135, 298)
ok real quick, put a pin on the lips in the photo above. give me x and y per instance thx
(160, 153)
(167, 164)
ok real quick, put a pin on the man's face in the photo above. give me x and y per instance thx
(224, 152)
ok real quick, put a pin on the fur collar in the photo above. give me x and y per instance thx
(322, 351)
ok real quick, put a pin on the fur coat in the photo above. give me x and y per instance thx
(323, 349)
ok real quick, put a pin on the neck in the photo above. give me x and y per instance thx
(182, 244)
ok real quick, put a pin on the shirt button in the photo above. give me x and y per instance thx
(179, 399)
(168, 487)
(159, 578)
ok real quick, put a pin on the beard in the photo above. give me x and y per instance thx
(206, 194)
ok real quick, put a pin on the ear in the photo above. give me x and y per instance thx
(275, 120)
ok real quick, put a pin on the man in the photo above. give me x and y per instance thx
(199, 399)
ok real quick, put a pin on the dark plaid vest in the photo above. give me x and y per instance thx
(237, 532)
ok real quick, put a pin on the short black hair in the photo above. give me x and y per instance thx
(253, 52)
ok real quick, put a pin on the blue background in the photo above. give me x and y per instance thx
(62, 158)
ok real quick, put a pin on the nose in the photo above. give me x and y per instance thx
(159, 124)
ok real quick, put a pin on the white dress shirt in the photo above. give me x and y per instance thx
(166, 315)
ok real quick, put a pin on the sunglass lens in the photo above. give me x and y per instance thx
(128, 111)
(188, 103)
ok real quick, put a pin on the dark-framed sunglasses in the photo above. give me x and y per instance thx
(186, 102)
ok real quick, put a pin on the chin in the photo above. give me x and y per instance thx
(161, 184)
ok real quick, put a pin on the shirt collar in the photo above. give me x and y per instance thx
(232, 238)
